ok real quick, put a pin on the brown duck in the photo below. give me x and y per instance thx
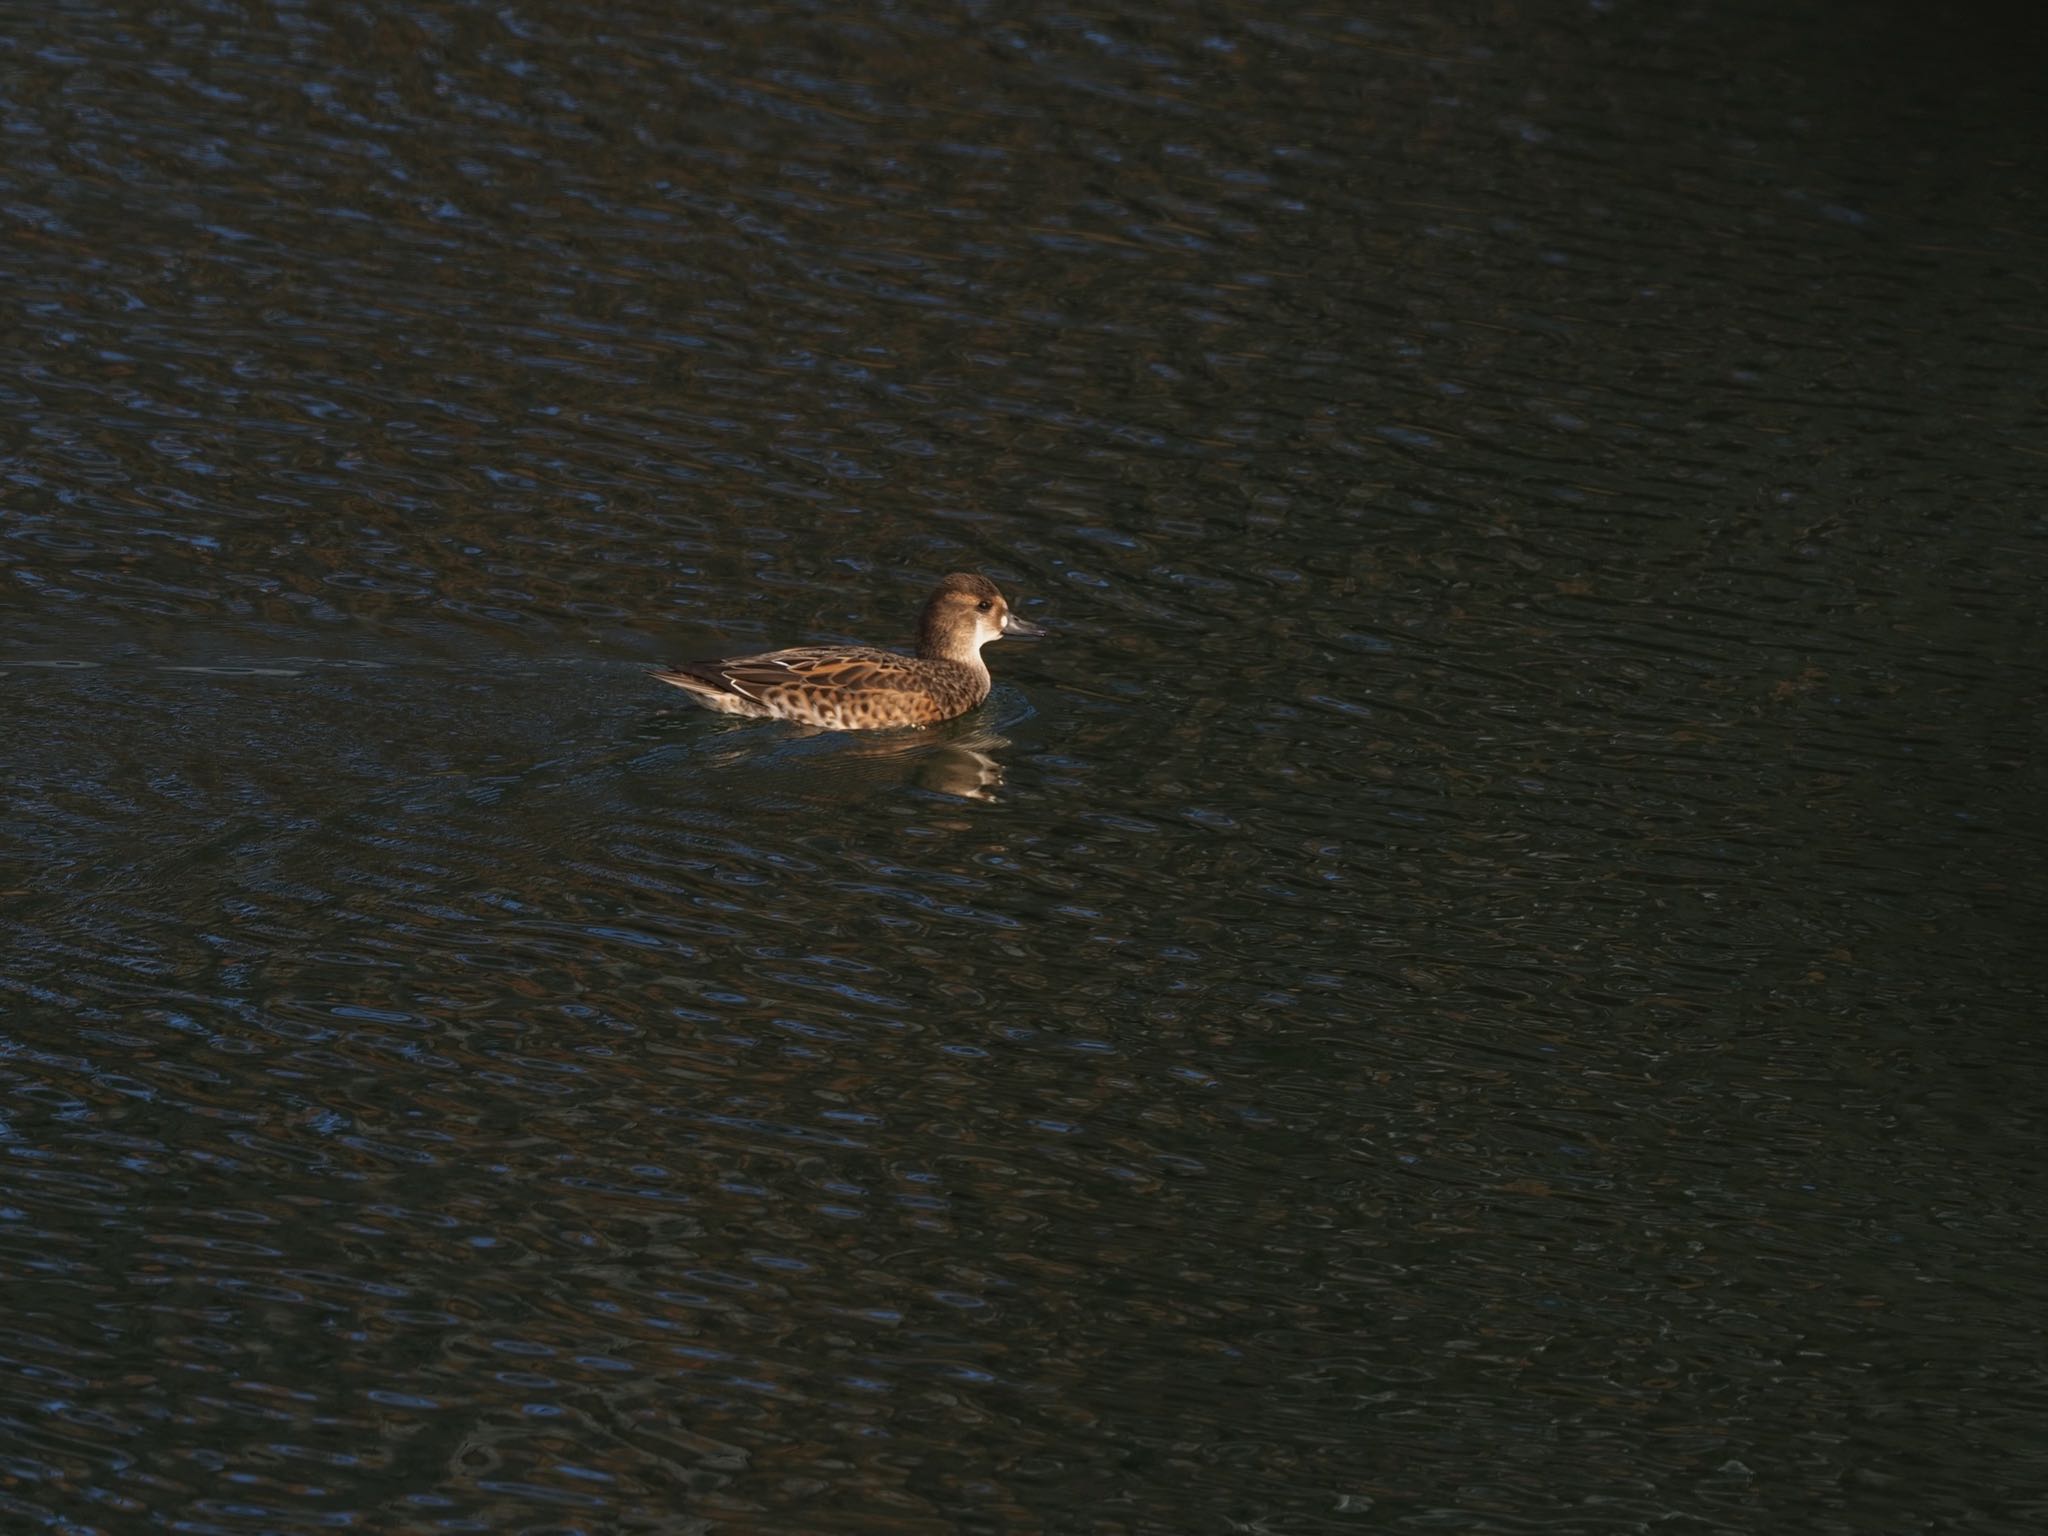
(859, 688)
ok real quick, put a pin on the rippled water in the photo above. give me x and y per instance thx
(1486, 980)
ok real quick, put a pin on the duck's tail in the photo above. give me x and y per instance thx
(706, 689)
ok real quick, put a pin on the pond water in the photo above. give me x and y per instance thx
(1487, 977)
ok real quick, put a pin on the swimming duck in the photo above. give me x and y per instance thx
(859, 688)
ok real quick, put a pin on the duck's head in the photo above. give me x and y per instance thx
(964, 614)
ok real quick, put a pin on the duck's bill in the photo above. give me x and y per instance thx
(1015, 628)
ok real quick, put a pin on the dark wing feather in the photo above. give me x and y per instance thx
(824, 668)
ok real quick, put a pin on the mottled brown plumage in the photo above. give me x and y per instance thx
(856, 688)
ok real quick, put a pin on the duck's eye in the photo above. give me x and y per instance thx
(984, 605)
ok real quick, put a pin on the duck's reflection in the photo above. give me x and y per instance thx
(963, 766)
(956, 759)
(965, 771)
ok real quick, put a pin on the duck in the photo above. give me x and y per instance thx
(863, 688)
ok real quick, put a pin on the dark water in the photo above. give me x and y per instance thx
(1488, 979)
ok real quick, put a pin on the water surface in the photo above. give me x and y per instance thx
(1484, 980)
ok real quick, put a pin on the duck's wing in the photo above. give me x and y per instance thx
(834, 667)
